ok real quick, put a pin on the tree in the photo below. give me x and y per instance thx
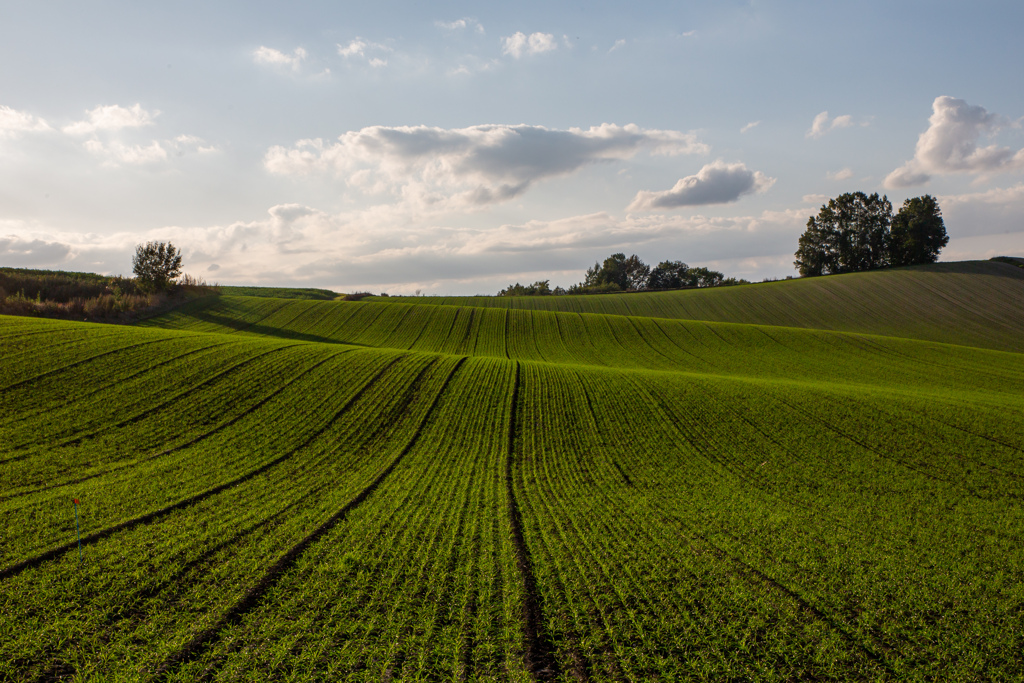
(611, 272)
(668, 275)
(156, 265)
(917, 233)
(703, 277)
(620, 272)
(538, 288)
(849, 234)
(675, 274)
(636, 273)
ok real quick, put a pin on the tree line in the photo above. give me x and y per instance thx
(856, 232)
(619, 273)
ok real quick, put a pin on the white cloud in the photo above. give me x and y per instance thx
(950, 145)
(191, 143)
(750, 126)
(271, 57)
(815, 199)
(112, 117)
(822, 124)
(689, 34)
(116, 153)
(995, 196)
(519, 44)
(471, 64)
(353, 49)
(469, 166)
(716, 183)
(621, 42)
(842, 174)
(451, 25)
(372, 54)
(13, 122)
(359, 47)
(460, 24)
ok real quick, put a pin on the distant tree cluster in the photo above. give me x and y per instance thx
(538, 288)
(619, 273)
(856, 232)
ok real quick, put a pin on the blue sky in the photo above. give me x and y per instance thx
(455, 148)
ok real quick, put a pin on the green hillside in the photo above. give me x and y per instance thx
(306, 490)
(978, 303)
(594, 340)
(280, 292)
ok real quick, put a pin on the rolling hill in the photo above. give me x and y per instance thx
(977, 303)
(319, 490)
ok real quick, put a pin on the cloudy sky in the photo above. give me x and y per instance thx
(457, 147)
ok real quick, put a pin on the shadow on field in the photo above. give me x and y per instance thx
(207, 315)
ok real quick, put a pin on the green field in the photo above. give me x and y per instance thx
(279, 292)
(287, 490)
(969, 302)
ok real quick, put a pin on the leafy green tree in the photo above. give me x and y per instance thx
(917, 233)
(618, 271)
(636, 273)
(613, 271)
(850, 233)
(675, 274)
(593, 277)
(538, 288)
(156, 265)
(668, 275)
(703, 277)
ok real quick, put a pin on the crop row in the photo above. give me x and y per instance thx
(782, 553)
(417, 582)
(198, 556)
(230, 426)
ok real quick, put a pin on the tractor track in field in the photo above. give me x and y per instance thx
(17, 568)
(190, 442)
(63, 368)
(752, 571)
(984, 437)
(879, 453)
(79, 398)
(703, 361)
(448, 332)
(419, 334)
(539, 655)
(464, 342)
(174, 584)
(254, 595)
(505, 339)
(210, 311)
(59, 667)
(76, 438)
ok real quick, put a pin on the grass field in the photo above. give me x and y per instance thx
(304, 490)
(970, 302)
(280, 292)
